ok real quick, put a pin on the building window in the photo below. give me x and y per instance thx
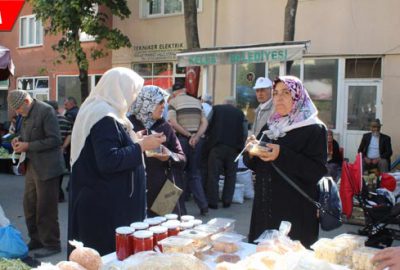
(161, 74)
(156, 8)
(321, 81)
(4, 84)
(360, 68)
(30, 32)
(70, 86)
(37, 87)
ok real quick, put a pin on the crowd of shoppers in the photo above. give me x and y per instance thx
(127, 140)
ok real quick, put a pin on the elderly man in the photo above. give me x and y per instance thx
(186, 116)
(71, 109)
(376, 148)
(263, 88)
(40, 140)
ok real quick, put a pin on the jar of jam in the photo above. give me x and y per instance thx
(160, 219)
(152, 222)
(186, 218)
(143, 241)
(197, 222)
(139, 226)
(186, 225)
(173, 227)
(159, 233)
(123, 242)
(171, 216)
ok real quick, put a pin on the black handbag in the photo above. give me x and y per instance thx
(329, 204)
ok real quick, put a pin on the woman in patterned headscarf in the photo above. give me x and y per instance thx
(297, 142)
(146, 117)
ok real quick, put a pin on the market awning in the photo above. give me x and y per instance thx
(273, 52)
(6, 64)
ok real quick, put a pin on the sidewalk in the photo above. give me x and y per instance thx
(11, 193)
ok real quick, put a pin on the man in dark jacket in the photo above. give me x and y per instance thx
(376, 148)
(40, 140)
(226, 135)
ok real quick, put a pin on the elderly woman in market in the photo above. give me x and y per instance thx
(108, 185)
(296, 144)
(146, 116)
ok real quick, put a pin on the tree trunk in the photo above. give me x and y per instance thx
(83, 66)
(191, 30)
(289, 28)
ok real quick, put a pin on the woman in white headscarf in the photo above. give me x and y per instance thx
(107, 184)
(147, 111)
(297, 142)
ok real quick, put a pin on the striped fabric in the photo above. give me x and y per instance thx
(187, 111)
(65, 126)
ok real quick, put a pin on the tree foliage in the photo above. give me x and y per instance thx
(68, 18)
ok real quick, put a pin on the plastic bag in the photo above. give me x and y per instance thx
(3, 219)
(245, 178)
(11, 243)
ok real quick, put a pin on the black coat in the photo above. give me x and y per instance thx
(157, 171)
(107, 187)
(385, 146)
(302, 157)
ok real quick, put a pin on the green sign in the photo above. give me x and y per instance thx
(241, 56)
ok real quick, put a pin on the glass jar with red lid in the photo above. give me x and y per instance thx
(173, 227)
(159, 233)
(123, 242)
(143, 241)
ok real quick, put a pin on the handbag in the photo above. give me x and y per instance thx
(329, 204)
(167, 198)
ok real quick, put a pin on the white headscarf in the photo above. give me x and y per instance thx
(112, 96)
(303, 111)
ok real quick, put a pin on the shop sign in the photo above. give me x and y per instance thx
(157, 52)
(9, 11)
(241, 56)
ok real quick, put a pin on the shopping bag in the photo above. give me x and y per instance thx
(11, 243)
(167, 198)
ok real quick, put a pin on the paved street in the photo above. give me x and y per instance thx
(11, 193)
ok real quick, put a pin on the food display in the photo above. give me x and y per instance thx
(70, 265)
(176, 244)
(86, 257)
(159, 233)
(231, 258)
(362, 258)
(143, 241)
(223, 224)
(227, 242)
(173, 227)
(124, 242)
(330, 251)
(200, 239)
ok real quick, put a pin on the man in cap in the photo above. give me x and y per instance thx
(263, 89)
(40, 141)
(186, 116)
(376, 148)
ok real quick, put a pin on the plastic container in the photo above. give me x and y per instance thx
(200, 239)
(173, 227)
(197, 222)
(227, 242)
(224, 224)
(143, 241)
(362, 258)
(176, 244)
(139, 226)
(124, 242)
(171, 216)
(186, 218)
(186, 225)
(159, 233)
(211, 230)
(259, 148)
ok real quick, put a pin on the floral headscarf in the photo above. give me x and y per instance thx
(146, 102)
(303, 112)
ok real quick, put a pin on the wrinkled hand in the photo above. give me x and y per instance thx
(270, 155)
(388, 257)
(149, 142)
(20, 147)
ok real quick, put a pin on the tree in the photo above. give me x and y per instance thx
(69, 18)
(289, 27)
(191, 29)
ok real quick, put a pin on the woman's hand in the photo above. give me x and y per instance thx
(161, 156)
(251, 140)
(387, 258)
(270, 155)
(152, 141)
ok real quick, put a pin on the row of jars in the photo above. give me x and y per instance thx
(144, 236)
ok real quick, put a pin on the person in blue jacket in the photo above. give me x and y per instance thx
(108, 185)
